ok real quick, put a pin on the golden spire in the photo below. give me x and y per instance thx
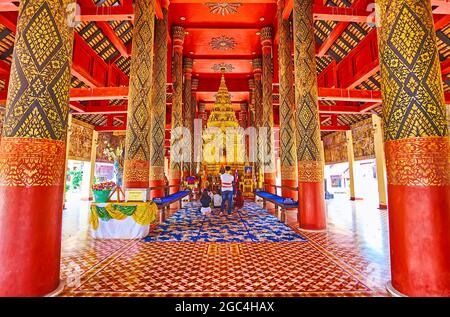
(222, 115)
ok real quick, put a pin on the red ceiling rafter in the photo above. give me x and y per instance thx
(108, 30)
(335, 128)
(341, 27)
(8, 19)
(445, 67)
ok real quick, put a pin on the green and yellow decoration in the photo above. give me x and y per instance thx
(143, 214)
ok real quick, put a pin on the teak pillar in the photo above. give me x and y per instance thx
(257, 75)
(311, 214)
(351, 163)
(267, 110)
(138, 135)
(417, 149)
(288, 150)
(33, 149)
(178, 34)
(158, 107)
(188, 118)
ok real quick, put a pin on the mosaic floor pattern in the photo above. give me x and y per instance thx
(248, 224)
(347, 260)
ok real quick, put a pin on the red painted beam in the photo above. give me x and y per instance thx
(105, 110)
(354, 95)
(326, 109)
(99, 93)
(8, 19)
(334, 128)
(76, 106)
(4, 69)
(89, 13)
(445, 67)
(113, 37)
(369, 106)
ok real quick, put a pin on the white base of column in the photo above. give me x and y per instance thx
(310, 230)
(57, 291)
(392, 291)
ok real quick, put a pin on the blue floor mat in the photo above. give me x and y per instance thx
(251, 223)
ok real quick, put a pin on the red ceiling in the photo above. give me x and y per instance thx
(199, 15)
(242, 27)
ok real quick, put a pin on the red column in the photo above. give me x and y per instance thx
(32, 152)
(417, 150)
(310, 166)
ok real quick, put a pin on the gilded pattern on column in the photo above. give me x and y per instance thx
(158, 108)
(310, 167)
(288, 150)
(267, 95)
(32, 151)
(194, 160)
(415, 122)
(178, 34)
(137, 149)
(187, 109)
(257, 69)
(37, 105)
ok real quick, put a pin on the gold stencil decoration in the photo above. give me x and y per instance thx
(413, 98)
(310, 171)
(288, 150)
(31, 162)
(141, 74)
(307, 114)
(158, 109)
(38, 93)
(421, 161)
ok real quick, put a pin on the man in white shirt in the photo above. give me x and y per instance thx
(227, 190)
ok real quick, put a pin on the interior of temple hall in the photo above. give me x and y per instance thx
(224, 148)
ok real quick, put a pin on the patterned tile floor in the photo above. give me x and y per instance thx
(350, 259)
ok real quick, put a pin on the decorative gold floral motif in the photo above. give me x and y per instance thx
(136, 171)
(418, 161)
(223, 43)
(310, 171)
(32, 162)
(223, 8)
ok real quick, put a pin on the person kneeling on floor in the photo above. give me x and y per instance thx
(205, 200)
